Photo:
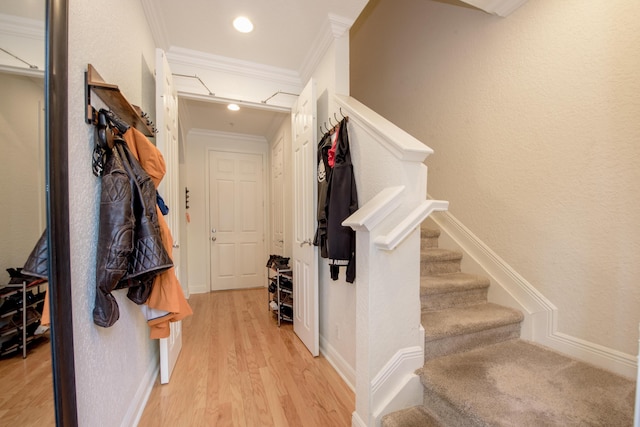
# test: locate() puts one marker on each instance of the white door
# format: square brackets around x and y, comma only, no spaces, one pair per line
[305,254]
[167,142]
[236,220]
[277,197]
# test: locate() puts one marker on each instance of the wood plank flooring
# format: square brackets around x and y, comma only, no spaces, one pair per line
[26,391]
[237,368]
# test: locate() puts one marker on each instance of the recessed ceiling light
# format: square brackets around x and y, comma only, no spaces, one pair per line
[243,24]
[233,107]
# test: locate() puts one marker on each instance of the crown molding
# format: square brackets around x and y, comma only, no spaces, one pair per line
[334,27]
[227,135]
[207,61]
[502,8]
[156,24]
[21,27]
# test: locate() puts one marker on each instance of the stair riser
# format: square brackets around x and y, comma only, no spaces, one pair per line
[453,299]
[429,242]
[446,413]
[428,267]
[459,343]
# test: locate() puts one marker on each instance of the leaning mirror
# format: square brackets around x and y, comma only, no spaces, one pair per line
[25,354]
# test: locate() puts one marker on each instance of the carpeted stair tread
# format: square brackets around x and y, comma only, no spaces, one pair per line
[466,320]
[451,282]
[439,255]
[415,416]
[518,383]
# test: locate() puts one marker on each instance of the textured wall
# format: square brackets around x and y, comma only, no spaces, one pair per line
[534,124]
[22,197]
[110,363]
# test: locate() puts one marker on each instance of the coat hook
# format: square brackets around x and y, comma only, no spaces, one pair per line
[336,117]
[342,113]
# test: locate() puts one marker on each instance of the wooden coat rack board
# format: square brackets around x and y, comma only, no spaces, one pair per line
[115,100]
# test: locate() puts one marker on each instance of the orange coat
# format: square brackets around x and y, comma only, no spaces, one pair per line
[166,293]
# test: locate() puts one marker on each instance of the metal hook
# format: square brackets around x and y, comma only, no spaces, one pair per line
[342,113]
[336,117]
[332,125]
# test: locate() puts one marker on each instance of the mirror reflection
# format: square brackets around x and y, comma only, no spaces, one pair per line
[25,354]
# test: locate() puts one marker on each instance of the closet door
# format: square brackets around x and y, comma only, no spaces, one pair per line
[305,254]
[167,142]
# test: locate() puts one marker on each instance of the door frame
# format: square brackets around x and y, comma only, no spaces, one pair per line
[222,144]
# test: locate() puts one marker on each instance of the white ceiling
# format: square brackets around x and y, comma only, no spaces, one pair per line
[284,32]
[284,29]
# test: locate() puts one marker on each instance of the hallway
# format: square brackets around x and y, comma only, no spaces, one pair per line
[237,368]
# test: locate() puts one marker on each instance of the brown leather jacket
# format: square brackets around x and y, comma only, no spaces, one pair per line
[130,251]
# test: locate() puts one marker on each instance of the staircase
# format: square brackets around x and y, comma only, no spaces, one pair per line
[478,372]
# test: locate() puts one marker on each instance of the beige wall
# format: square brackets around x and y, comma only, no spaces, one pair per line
[534,123]
[22,196]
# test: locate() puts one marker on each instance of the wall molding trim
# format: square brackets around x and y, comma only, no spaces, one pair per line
[227,135]
[502,8]
[397,386]
[134,413]
[346,371]
[237,67]
[541,315]
[22,27]
[334,27]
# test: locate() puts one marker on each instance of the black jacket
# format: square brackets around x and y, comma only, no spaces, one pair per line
[340,202]
[130,250]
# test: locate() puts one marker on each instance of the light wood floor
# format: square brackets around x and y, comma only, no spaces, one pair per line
[26,388]
[237,368]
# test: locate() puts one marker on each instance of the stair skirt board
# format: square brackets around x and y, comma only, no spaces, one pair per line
[511,289]
[397,386]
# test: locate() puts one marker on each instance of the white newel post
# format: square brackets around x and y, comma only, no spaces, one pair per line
[390,340]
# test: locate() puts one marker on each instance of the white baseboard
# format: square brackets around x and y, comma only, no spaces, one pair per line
[511,289]
[198,289]
[356,421]
[346,371]
[134,413]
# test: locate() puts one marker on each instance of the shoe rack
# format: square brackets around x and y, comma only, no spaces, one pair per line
[20,312]
[280,284]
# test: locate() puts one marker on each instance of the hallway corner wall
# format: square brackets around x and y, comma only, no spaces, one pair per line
[114,366]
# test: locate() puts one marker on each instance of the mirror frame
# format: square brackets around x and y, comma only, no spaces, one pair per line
[57,184]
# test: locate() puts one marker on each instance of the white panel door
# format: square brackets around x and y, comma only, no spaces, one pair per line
[167,142]
[305,254]
[277,197]
[236,218]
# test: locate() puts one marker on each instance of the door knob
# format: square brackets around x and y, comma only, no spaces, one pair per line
[213,239]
